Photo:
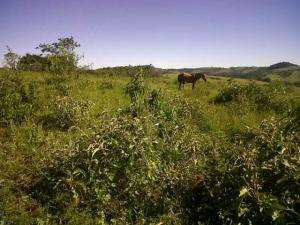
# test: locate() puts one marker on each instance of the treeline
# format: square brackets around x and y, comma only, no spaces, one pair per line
[60,58]
[34,62]
[147,70]
[40,63]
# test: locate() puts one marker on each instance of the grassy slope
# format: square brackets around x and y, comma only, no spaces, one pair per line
[289,74]
[87,87]
[27,153]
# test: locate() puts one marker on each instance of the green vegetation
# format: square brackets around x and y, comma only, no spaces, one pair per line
[96,147]
[284,71]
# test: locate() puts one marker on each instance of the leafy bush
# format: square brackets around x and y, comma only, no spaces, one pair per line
[63,60]
[60,84]
[104,85]
[116,173]
[17,100]
[33,62]
[154,100]
[134,169]
[255,181]
[136,87]
[148,70]
[11,59]
[66,112]
[61,55]
[262,96]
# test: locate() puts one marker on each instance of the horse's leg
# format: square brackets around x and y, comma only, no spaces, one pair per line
[193,85]
[179,86]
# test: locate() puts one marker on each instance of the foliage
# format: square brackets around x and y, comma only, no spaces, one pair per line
[64,45]
[32,62]
[106,85]
[282,65]
[66,112]
[256,181]
[153,155]
[62,56]
[148,70]
[135,87]
[263,97]
[115,174]
[17,100]
[11,59]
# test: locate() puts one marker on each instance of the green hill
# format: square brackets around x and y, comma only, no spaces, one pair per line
[285,71]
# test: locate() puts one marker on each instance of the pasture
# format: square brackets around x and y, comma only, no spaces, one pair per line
[100,149]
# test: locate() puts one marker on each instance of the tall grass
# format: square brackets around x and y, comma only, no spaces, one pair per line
[135,150]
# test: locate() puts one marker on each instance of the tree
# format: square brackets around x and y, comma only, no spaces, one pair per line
[64,46]
[11,59]
[62,55]
[32,62]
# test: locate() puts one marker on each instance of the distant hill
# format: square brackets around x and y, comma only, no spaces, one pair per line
[286,71]
[282,65]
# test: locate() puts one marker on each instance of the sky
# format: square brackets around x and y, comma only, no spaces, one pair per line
[165,33]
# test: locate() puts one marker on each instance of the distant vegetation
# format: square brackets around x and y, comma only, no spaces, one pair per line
[282,65]
[283,71]
[124,146]
[35,63]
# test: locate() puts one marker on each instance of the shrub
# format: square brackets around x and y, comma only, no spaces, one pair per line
[61,55]
[255,181]
[154,99]
[33,62]
[122,171]
[66,112]
[63,60]
[261,96]
[104,85]
[11,59]
[135,87]
[17,100]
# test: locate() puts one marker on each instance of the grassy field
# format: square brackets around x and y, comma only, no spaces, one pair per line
[136,150]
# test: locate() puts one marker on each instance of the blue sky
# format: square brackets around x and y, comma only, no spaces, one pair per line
[168,34]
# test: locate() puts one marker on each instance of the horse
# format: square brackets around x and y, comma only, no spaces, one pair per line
[190,78]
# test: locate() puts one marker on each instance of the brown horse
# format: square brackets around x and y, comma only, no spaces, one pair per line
[190,78]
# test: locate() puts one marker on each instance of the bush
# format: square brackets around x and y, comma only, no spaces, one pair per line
[104,85]
[66,112]
[136,87]
[255,181]
[17,100]
[123,170]
[261,96]
[134,169]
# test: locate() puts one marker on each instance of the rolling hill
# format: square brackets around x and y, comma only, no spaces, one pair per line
[285,71]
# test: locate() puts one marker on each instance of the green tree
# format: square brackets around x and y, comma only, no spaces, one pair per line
[32,62]
[11,59]
[62,55]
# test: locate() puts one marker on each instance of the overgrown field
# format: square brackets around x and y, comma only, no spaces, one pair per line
[100,149]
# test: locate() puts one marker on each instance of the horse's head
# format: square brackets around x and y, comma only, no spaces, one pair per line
[200,75]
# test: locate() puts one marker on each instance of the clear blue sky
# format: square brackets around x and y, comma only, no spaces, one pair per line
[166,33]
